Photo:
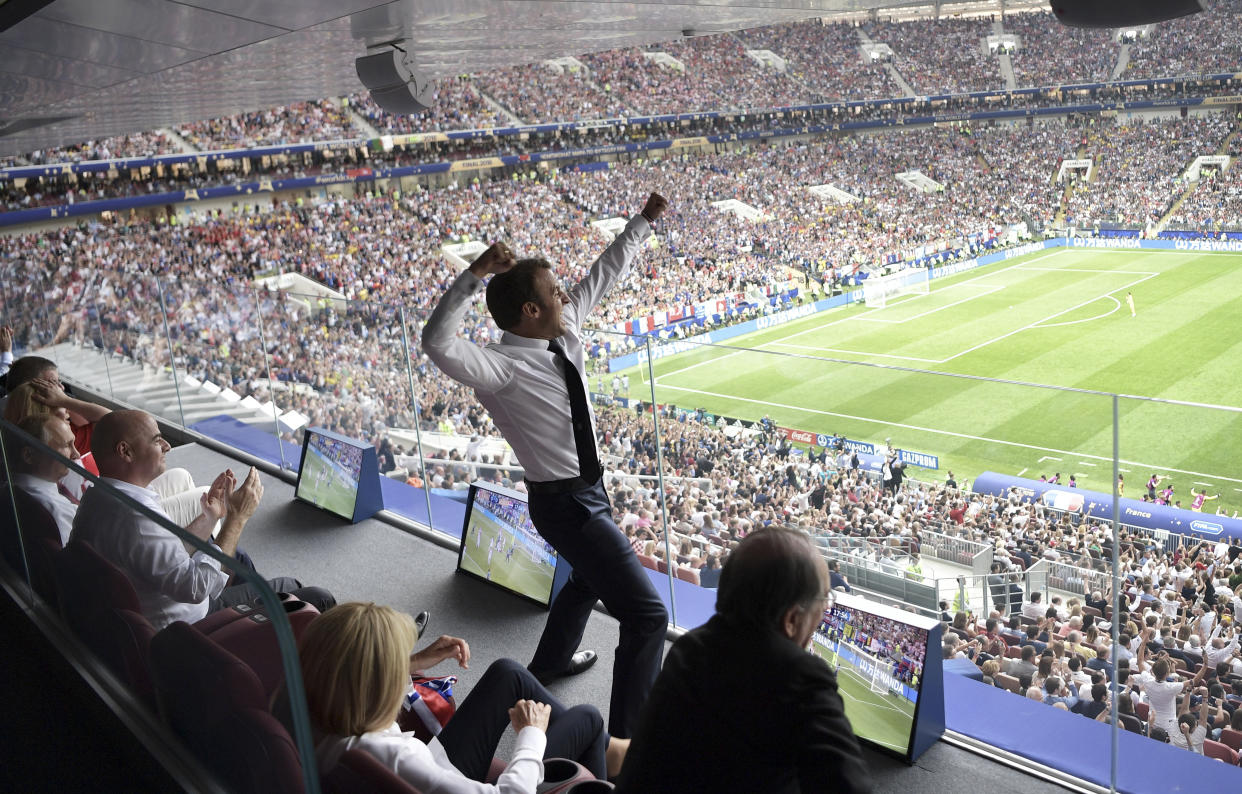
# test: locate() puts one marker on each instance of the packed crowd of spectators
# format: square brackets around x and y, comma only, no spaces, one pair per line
[541,93]
[824,63]
[1179,670]
[715,74]
[58,189]
[457,106]
[1215,202]
[941,56]
[826,58]
[1054,54]
[301,122]
[139,144]
[1205,43]
[1139,168]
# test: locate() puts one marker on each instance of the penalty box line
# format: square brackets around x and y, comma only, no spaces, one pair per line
[814,329]
[950,433]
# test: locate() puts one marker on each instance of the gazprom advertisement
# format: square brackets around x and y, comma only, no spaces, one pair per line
[1134,512]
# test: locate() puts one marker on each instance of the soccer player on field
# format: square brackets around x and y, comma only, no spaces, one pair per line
[1200,497]
[1130,302]
[1151,486]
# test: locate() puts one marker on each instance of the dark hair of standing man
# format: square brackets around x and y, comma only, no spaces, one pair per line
[509,291]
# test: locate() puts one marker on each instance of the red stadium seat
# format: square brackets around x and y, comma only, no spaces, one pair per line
[39,535]
[252,639]
[1232,738]
[1006,681]
[1221,752]
[648,561]
[661,565]
[1143,711]
[688,575]
[359,772]
[215,703]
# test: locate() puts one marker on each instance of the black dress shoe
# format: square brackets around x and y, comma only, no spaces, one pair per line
[580,662]
[420,622]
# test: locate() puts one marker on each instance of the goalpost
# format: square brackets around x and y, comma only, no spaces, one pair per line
[878,290]
[877,672]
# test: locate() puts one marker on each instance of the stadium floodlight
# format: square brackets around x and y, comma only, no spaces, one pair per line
[394,80]
[1121,13]
[877,290]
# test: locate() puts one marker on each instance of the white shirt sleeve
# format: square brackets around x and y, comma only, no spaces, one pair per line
[607,270]
[159,557]
[427,768]
[459,358]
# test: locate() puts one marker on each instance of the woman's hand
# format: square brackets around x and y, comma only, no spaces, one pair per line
[445,647]
[529,713]
[50,394]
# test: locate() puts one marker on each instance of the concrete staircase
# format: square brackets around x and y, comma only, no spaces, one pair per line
[1224,148]
[1007,73]
[181,143]
[153,389]
[906,90]
[359,122]
[1069,188]
[1123,62]
[500,109]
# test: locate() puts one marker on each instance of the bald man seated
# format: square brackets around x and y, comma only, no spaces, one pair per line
[172,583]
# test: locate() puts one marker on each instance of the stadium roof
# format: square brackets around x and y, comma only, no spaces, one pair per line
[75,70]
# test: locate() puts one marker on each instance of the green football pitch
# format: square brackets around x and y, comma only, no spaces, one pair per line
[321,484]
[912,371]
[521,573]
[884,719]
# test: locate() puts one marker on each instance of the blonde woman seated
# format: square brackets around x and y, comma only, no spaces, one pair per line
[356,666]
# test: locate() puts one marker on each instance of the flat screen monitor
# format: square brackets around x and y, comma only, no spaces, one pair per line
[500,545]
[334,471]
[880,655]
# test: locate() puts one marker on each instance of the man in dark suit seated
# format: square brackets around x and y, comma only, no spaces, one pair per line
[793,736]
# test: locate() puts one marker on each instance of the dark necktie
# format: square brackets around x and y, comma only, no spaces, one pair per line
[584,439]
[65,492]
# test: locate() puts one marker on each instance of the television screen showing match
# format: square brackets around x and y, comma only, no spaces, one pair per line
[331,469]
[878,658]
[499,544]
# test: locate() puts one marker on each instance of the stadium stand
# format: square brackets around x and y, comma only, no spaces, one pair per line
[159,293]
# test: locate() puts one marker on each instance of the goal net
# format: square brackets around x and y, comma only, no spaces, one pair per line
[877,671]
[877,291]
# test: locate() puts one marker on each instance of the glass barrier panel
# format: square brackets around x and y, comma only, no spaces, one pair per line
[34,307]
[217,332]
[135,365]
[634,452]
[916,485]
[147,543]
[339,365]
[452,428]
[1181,561]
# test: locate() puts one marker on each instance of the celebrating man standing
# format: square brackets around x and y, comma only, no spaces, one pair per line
[533,383]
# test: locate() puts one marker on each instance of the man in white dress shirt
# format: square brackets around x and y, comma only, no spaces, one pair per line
[532,382]
[172,584]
